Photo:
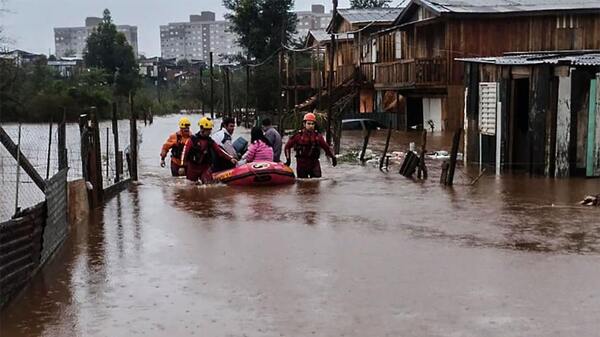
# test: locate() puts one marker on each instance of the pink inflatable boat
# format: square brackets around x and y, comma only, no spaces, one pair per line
[256,174]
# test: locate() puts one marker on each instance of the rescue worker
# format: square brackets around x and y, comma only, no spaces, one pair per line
[308,144]
[199,152]
[224,139]
[175,143]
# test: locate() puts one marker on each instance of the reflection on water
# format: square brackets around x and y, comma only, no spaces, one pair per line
[168,252]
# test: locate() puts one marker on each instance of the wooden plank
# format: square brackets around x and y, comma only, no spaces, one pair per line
[537,118]
[593,139]
[563,127]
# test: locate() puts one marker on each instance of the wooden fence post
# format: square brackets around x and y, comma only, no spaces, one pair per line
[449,181]
[62,144]
[364,148]
[387,145]
[95,163]
[133,147]
[115,130]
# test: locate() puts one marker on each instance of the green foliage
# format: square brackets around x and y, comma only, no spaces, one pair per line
[108,49]
[369,3]
[262,25]
[36,93]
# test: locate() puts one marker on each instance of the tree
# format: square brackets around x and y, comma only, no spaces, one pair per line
[3,38]
[109,50]
[369,3]
[262,26]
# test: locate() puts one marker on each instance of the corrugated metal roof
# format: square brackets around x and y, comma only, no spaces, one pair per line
[583,59]
[508,6]
[381,15]
[323,36]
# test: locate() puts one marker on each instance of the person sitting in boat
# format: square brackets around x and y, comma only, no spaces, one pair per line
[308,144]
[199,152]
[260,148]
[175,143]
[224,139]
[274,138]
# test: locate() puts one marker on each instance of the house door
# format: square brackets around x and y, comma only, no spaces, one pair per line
[519,120]
[414,113]
[432,112]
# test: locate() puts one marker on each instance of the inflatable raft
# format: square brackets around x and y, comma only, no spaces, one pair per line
[257,173]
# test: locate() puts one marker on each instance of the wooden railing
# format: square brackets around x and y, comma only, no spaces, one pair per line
[344,73]
[412,72]
[367,72]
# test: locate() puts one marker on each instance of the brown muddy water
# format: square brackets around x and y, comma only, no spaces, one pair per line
[357,253]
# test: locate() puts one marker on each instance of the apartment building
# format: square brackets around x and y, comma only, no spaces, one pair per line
[315,19]
[71,41]
[194,40]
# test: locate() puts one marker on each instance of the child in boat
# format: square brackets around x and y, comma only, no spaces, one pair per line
[259,149]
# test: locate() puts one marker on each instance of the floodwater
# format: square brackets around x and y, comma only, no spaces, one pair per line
[357,253]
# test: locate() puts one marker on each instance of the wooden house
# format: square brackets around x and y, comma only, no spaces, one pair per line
[538,113]
[417,57]
[353,65]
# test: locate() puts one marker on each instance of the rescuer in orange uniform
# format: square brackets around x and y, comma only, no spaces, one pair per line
[199,152]
[175,144]
[308,143]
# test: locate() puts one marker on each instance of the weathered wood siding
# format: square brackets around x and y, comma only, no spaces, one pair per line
[563,126]
[493,37]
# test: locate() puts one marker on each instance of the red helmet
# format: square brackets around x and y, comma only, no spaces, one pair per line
[311,117]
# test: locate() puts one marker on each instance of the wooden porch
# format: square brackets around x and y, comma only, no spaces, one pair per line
[416,72]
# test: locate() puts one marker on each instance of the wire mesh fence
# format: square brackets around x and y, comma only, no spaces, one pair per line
[39,145]
[18,188]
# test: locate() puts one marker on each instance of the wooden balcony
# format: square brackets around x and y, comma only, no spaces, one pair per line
[419,72]
[367,72]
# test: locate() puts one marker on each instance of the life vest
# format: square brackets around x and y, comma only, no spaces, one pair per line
[307,145]
[197,154]
[177,149]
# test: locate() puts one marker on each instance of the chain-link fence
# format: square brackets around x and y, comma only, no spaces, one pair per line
[18,188]
[39,146]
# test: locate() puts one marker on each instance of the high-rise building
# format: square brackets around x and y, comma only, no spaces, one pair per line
[197,38]
[71,41]
[316,19]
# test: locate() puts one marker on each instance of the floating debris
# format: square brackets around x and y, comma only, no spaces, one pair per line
[591,200]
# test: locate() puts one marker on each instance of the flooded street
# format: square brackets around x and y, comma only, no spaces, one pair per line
[357,253]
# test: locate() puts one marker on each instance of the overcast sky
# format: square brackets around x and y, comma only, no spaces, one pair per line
[30,23]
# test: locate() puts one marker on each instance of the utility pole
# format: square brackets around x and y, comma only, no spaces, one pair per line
[225,95]
[247,114]
[202,89]
[280,88]
[212,88]
[229,110]
[330,79]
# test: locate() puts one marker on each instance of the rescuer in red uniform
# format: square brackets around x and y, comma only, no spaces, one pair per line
[175,144]
[199,151]
[308,144]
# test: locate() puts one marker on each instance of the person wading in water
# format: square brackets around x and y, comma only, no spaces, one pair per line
[175,143]
[199,152]
[308,143]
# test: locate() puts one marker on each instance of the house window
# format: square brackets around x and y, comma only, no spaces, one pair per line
[398,44]
[567,22]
